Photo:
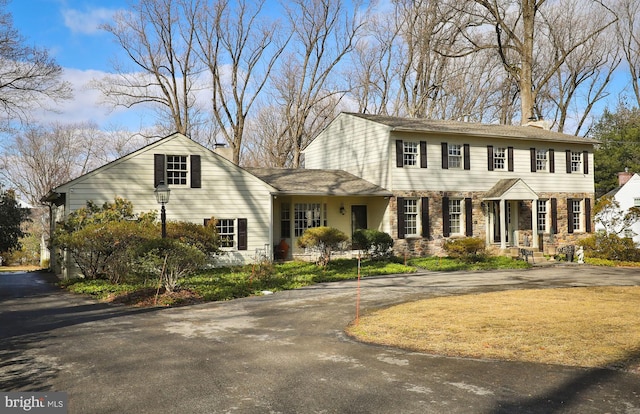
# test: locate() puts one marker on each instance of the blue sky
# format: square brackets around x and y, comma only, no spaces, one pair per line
[69,30]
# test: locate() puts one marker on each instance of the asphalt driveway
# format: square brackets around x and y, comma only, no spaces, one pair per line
[285,353]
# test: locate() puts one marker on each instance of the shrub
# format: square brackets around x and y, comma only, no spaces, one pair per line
[377,243]
[204,238]
[324,239]
[603,245]
[468,249]
[169,260]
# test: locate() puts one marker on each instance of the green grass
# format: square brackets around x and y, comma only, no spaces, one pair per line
[237,282]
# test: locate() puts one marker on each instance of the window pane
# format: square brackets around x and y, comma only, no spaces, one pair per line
[177,169]
[455,212]
[576,162]
[575,207]
[499,157]
[455,156]
[542,215]
[305,216]
[226,232]
[541,160]
[410,153]
[410,217]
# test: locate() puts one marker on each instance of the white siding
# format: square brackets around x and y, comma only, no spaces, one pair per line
[626,196]
[354,145]
[479,178]
[227,191]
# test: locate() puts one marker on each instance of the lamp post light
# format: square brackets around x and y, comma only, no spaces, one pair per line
[162,196]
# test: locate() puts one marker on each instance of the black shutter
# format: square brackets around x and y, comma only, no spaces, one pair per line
[587,215]
[467,157]
[400,214]
[569,216]
[424,211]
[468,215]
[445,155]
[158,169]
[423,154]
[554,215]
[568,157]
[533,159]
[399,153]
[242,234]
[490,157]
[552,160]
[446,228]
[196,181]
[585,162]
[510,158]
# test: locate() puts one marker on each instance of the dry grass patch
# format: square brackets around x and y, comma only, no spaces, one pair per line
[587,327]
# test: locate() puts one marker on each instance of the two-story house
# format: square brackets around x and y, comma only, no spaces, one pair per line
[421,181]
[511,185]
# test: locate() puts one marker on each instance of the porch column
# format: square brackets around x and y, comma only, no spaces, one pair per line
[503,225]
[534,223]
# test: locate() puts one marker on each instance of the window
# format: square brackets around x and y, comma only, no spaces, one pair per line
[575,214]
[576,161]
[226,232]
[455,156]
[176,169]
[541,160]
[455,214]
[305,216]
[636,202]
[285,220]
[410,153]
[542,215]
[499,158]
[628,233]
[410,217]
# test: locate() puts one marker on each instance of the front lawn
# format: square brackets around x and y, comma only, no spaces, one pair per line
[231,283]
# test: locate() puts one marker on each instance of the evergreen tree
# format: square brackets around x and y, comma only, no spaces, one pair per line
[618,134]
[11,218]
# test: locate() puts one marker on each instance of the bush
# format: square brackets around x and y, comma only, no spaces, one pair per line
[377,243]
[608,246]
[324,239]
[204,238]
[468,249]
[169,260]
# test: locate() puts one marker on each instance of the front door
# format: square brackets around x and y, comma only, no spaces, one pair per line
[358,218]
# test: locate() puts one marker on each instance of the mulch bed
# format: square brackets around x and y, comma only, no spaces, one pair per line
[151,297]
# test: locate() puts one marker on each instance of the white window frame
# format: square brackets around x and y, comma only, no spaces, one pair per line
[576,215]
[410,153]
[454,152]
[542,212]
[576,162]
[226,232]
[306,216]
[500,158]
[411,217]
[455,216]
[636,202]
[542,159]
[177,169]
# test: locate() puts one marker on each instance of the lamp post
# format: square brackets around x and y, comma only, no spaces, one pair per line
[162,196]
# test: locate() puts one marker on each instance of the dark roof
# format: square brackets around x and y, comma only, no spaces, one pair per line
[468,128]
[317,182]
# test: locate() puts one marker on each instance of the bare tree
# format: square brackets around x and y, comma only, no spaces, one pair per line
[628,28]
[29,77]
[162,70]
[515,23]
[581,81]
[240,48]
[43,157]
[324,33]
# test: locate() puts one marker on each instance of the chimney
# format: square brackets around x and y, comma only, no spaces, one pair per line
[223,150]
[623,177]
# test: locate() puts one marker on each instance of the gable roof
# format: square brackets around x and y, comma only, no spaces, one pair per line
[317,182]
[510,187]
[475,129]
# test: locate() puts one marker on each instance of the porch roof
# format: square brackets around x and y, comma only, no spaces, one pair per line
[513,188]
[317,182]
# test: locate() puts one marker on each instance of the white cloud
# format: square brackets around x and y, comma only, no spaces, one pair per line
[87,22]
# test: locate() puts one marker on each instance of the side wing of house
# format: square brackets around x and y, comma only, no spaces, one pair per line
[203,185]
[355,145]
[629,196]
